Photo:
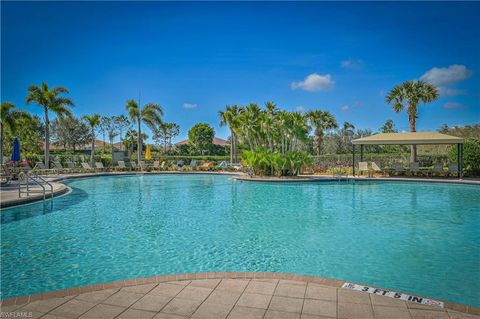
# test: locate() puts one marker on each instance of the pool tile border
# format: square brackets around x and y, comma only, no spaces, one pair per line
[20,300]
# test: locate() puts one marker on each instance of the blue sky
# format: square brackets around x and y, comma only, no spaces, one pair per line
[195,58]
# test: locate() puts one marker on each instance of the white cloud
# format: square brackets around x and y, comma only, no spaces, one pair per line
[445,76]
[300,109]
[189,105]
[345,108]
[452,105]
[354,64]
[314,82]
[452,92]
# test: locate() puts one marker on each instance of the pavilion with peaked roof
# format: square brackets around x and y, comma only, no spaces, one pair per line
[411,138]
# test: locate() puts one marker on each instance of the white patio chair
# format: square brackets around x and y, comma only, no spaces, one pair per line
[363,167]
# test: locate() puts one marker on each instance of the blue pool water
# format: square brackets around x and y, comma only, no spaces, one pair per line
[415,237]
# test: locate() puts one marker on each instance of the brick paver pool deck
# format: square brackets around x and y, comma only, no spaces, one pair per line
[229,295]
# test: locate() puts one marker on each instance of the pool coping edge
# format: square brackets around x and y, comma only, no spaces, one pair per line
[20,300]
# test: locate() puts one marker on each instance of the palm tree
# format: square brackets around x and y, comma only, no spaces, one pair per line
[150,114]
[50,100]
[321,120]
[8,119]
[93,121]
[229,117]
[407,96]
[122,123]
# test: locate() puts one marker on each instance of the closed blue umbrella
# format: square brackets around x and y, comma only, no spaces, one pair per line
[16,150]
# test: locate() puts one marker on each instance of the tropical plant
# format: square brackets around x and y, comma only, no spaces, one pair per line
[93,121]
[264,161]
[407,96]
[111,130]
[200,137]
[471,156]
[164,133]
[122,124]
[151,114]
[8,120]
[230,117]
[129,141]
[105,122]
[70,132]
[388,127]
[52,101]
[29,130]
[321,120]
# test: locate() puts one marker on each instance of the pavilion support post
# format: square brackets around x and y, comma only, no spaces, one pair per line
[353,159]
[458,160]
[361,153]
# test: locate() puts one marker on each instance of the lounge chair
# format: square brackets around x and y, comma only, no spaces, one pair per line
[237,166]
[453,169]
[134,166]
[39,166]
[58,166]
[223,164]
[437,169]
[5,175]
[377,168]
[415,168]
[398,168]
[71,166]
[193,163]
[25,166]
[180,163]
[86,167]
[206,165]
[121,166]
[363,167]
[99,166]
[156,165]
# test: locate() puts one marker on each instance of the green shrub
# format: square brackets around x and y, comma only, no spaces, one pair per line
[269,163]
[471,156]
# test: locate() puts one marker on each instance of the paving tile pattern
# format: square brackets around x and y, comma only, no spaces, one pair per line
[228,299]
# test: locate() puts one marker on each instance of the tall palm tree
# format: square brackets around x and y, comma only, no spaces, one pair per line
[229,117]
[8,119]
[321,120]
[93,121]
[150,114]
[407,96]
[50,100]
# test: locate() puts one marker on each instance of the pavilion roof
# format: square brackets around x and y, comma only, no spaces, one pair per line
[412,138]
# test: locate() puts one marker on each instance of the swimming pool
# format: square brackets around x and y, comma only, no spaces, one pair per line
[416,237]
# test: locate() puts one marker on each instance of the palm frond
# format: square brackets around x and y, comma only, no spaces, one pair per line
[152,114]
[133,110]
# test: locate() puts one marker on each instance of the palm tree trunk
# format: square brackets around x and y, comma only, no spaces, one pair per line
[104,142]
[413,148]
[93,147]
[47,139]
[231,146]
[111,146]
[319,141]
[121,140]
[139,140]
[1,144]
